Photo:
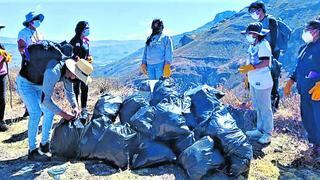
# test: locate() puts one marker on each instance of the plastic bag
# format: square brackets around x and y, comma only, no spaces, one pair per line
[108,106]
[130,106]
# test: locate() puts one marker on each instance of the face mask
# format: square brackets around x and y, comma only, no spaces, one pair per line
[307,36]
[250,39]
[255,15]
[35,23]
[86,32]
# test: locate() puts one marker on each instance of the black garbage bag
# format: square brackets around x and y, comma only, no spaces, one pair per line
[108,106]
[117,145]
[231,140]
[246,119]
[204,99]
[190,120]
[91,135]
[66,138]
[162,89]
[201,158]
[152,153]
[169,123]
[141,121]
[183,143]
[130,106]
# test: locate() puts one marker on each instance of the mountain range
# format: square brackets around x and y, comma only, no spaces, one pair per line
[213,54]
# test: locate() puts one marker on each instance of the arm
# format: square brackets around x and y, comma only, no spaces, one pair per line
[265,61]
[21,46]
[68,87]
[51,77]
[168,51]
[144,57]
[273,33]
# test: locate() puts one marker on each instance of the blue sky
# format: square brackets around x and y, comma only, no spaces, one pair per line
[113,19]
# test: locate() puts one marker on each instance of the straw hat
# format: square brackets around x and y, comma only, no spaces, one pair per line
[81,69]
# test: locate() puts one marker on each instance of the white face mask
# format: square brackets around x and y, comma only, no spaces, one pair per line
[255,15]
[307,36]
[250,39]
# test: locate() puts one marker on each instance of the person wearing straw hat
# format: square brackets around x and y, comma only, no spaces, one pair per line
[67,72]
[307,78]
[4,59]
[258,72]
[27,36]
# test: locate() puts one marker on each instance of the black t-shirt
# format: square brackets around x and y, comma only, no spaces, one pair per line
[80,48]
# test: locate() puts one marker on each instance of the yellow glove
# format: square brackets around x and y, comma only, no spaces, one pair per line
[6,56]
[143,69]
[167,70]
[90,59]
[245,69]
[315,92]
[288,87]
[246,83]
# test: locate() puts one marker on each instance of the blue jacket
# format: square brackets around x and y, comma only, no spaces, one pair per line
[160,50]
[308,61]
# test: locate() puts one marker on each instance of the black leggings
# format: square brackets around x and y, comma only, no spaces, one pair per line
[275,95]
[3,85]
[84,92]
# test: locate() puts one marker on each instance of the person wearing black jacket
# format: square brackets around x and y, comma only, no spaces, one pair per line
[258,12]
[80,43]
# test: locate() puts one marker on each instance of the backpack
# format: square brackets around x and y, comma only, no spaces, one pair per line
[284,34]
[38,56]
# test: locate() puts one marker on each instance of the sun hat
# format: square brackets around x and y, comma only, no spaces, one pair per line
[81,69]
[256,28]
[32,16]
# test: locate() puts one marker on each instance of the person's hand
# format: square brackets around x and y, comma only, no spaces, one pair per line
[315,92]
[143,68]
[167,70]
[288,87]
[90,59]
[76,112]
[245,69]
[67,116]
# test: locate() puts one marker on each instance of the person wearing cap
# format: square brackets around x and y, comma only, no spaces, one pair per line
[30,93]
[80,43]
[27,36]
[258,12]
[307,78]
[4,59]
[158,53]
[258,71]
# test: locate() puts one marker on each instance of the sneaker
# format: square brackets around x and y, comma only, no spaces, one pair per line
[45,148]
[254,133]
[265,139]
[3,126]
[26,114]
[37,155]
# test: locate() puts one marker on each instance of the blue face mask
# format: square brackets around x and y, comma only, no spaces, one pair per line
[36,23]
[86,32]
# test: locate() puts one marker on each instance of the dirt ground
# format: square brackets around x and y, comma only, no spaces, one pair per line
[287,157]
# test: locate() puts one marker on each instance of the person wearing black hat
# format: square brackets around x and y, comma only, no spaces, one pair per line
[80,42]
[27,36]
[307,78]
[260,80]
[258,12]
[4,59]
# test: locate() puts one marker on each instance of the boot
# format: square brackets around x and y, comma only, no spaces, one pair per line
[3,126]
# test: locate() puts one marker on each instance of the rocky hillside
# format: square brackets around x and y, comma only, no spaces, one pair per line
[214,55]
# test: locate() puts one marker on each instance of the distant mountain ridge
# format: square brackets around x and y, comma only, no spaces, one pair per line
[213,56]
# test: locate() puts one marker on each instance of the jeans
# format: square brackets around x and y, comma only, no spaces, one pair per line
[77,86]
[310,115]
[31,96]
[3,85]
[155,71]
[261,102]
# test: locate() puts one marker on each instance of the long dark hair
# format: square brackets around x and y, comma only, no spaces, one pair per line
[155,30]
[80,27]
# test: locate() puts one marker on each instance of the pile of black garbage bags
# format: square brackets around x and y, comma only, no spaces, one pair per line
[193,129]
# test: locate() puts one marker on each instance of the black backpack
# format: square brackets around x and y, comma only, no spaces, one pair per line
[38,56]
